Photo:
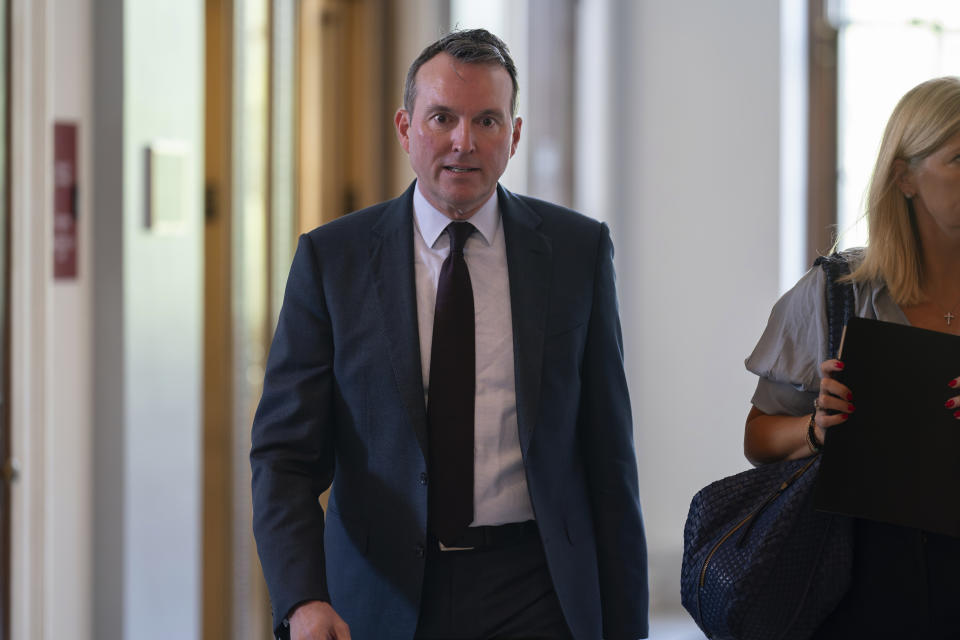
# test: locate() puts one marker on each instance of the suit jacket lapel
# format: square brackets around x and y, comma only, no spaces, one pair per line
[529,257]
[392,263]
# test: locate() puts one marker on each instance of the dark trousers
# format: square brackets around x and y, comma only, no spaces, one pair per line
[500,592]
[906,584]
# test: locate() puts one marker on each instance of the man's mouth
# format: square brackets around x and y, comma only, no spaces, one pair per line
[460,169]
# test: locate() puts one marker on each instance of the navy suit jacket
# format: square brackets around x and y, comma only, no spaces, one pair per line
[343,402]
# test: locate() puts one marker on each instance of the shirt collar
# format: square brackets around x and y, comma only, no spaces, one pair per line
[432,223]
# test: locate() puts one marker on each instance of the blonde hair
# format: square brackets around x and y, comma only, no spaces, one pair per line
[924,119]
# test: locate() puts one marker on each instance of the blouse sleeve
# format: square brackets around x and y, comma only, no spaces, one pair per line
[787,358]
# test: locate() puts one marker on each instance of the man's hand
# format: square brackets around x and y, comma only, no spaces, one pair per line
[316,620]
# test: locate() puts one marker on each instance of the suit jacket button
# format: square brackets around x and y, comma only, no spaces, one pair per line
[419,550]
[423,479]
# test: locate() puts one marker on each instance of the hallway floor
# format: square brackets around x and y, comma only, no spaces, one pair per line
[674,626]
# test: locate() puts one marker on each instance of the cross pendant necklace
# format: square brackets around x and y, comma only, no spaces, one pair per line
[947,313]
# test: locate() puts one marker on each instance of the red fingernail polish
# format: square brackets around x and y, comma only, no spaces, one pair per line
[839,365]
[956,414]
[849,396]
[949,403]
[850,407]
[952,383]
[845,416]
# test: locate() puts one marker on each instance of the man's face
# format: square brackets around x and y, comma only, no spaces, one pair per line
[460,134]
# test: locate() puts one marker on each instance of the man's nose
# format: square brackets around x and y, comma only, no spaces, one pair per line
[463,137]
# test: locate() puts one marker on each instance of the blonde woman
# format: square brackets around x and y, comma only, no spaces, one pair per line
[906,582]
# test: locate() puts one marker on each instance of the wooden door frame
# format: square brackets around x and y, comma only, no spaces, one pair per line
[821,133]
[217,535]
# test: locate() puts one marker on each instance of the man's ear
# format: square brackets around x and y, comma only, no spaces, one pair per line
[402,122]
[517,125]
[903,177]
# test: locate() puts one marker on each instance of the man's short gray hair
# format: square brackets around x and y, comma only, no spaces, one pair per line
[477,46]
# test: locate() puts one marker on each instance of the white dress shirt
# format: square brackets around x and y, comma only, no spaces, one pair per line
[500,492]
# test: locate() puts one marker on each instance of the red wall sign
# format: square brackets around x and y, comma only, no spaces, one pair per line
[65,201]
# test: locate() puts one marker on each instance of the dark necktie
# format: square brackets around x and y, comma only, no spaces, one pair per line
[451,395]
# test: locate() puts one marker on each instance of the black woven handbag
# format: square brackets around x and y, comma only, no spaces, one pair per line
[759,563]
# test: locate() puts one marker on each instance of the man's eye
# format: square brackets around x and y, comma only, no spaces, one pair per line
[487,122]
[440,118]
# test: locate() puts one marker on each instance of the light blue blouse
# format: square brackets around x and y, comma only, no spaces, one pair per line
[787,358]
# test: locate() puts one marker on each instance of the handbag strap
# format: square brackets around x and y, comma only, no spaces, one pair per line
[839,298]
[840,305]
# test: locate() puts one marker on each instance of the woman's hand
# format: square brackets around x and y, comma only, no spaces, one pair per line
[953,404]
[769,438]
[834,396]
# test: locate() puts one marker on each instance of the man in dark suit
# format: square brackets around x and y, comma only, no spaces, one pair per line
[451,361]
